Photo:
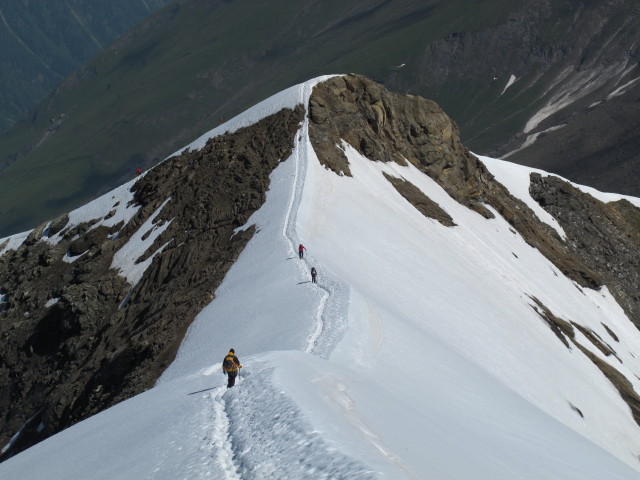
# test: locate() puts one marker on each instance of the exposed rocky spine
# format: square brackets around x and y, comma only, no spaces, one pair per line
[605,236]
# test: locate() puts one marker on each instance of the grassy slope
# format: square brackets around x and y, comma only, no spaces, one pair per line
[42,41]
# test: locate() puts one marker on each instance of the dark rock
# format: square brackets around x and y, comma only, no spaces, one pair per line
[385,126]
[423,204]
[58,223]
[605,236]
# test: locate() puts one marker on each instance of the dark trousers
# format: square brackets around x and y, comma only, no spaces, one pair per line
[231,378]
[313,278]
[300,253]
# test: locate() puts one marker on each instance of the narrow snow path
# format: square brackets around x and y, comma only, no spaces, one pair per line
[299,158]
[290,447]
[272,437]
[221,442]
[331,313]
[243,449]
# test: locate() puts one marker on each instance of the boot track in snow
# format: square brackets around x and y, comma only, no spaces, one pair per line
[241,449]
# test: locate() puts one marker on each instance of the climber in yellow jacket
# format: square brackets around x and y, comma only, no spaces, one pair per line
[230,367]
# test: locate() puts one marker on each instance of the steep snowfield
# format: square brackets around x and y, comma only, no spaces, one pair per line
[417,355]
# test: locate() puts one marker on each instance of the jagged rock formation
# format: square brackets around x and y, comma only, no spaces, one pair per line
[76,338]
[389,127]
[604,236]
[562,74]
[385,127]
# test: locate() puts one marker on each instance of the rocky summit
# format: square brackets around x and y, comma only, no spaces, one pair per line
[84,326]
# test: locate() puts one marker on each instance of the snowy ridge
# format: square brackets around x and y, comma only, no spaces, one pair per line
[331,316]
[289,98]
[516,178]
[417,355]
[108,210]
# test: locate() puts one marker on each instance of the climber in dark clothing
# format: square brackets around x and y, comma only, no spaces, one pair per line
[230,367]
[301,249]
[313,274]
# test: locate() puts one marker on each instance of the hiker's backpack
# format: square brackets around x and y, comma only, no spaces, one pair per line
[228,364]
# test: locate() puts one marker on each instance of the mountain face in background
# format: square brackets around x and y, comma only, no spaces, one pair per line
[570,101]
[550,84]
[43,41]
[96,302]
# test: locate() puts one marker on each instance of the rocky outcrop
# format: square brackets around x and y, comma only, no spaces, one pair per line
[385,126]
[76,337]
[605,236]
[423,204]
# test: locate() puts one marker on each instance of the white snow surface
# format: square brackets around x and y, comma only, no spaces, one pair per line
[119,203]
[107,210]
[125,259]
[516,178]
[51,302]
[418,354]
[533,138]
[13,242]
[580,85]
[512,80]
[622,89]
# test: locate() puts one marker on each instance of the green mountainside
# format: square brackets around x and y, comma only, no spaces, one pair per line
[42,41]
[198,62]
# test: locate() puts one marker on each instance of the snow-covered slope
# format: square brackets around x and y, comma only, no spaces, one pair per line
[418,354]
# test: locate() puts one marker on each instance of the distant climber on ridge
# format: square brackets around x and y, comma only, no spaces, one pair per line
[314,273]
[301,249]
[230,366]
